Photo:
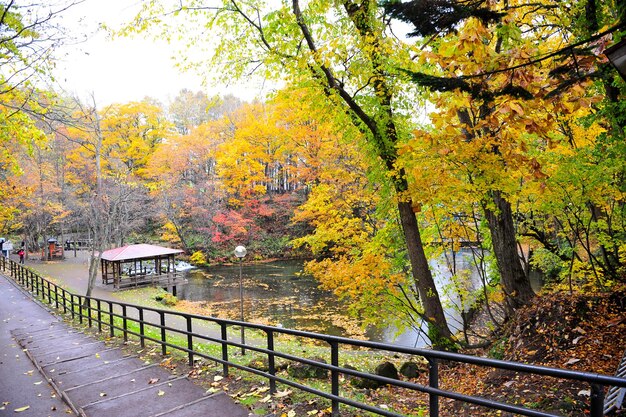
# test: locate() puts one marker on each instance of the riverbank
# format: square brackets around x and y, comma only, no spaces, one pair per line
[578,331]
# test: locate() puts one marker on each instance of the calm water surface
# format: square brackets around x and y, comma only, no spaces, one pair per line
[277,291]
[283,295]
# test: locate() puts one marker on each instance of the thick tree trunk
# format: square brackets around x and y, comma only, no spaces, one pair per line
[429,296]
[383,135]
[514,280]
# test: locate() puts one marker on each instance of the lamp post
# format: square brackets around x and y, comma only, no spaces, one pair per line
[617,55]
[240,252]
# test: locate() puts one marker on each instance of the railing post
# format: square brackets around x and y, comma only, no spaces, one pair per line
[99,305]
[597,401]
[124,323]
[142,339]
[334,376]
[49,292]
[80,309]
[56,296]
[72,305]
[111,319]
[224,349]
[271,360]
[88,311]
[189,340]
[163,336]
[433,382]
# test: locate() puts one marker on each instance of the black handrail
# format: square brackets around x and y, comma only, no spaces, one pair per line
[63,300]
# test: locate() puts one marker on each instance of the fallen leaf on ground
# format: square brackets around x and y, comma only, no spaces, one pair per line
[19,410]
[281,394]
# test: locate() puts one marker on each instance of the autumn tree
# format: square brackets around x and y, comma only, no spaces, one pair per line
[189,110]
[504,72]
[182,178]
[29,36]
[349,61]
[107,165]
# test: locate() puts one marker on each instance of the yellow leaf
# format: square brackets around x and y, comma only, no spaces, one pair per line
[266,399]
[281,394]
[517,108]
[161,393]
[19,410]
[291,413]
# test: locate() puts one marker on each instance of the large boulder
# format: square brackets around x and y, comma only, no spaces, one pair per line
[304,370]
[386,369]
[410,369]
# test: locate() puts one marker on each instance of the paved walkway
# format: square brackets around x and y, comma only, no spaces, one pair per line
[22,386]
[93,379]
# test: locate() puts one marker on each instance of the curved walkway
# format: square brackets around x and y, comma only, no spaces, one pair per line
[22,386]
[44,360]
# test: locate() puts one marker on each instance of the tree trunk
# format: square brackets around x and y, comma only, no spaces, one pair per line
[514,281]
[429,296]
[381,131]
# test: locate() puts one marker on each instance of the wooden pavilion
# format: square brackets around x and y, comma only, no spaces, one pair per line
[140,265]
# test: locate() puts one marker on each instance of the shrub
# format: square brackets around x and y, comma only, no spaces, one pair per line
[167,299]
[198,258]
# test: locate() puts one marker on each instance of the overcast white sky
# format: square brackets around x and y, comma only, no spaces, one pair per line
[126,69]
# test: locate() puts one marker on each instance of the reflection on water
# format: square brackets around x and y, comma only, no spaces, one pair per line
[278,292]
[282,295]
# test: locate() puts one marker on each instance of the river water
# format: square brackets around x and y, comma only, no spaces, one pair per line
[280,294]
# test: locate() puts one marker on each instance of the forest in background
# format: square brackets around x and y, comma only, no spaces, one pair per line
[495,123]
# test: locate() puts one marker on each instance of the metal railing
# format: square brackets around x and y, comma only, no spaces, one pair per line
[164,326]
